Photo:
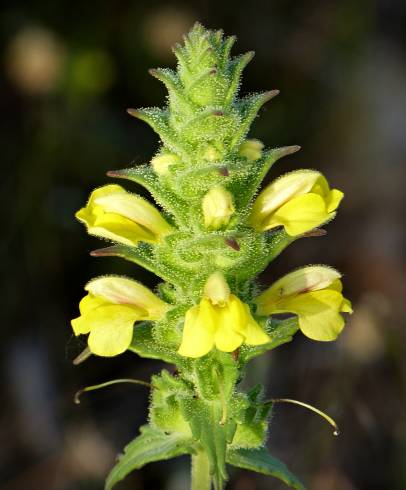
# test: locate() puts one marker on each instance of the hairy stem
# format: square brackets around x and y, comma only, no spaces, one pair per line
[201,479]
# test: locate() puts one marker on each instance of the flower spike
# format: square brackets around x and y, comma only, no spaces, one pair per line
[216,233]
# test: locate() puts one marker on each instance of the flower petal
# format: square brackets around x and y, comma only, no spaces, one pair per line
[230,331]
[112,226]
[90,302]
[135,208]
[254,333]
[318,312]
[305,279]
[346,306]
[333,200]
[121,290]
[80,325]
[280,191]
[300,214]
[111,329]
[198,330]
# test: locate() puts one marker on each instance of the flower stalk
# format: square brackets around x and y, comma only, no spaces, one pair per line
[208,235]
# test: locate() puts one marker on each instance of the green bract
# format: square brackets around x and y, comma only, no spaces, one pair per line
[208,241]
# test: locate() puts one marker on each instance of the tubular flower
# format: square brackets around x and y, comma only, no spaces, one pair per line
[114,213]
[220,319]
[217,207]
[109,310]
[314,294]
[299,201]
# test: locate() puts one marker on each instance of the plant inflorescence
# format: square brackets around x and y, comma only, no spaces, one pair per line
[209,234]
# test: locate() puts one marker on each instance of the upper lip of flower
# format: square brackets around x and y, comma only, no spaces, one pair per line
[300,201]
[113,213]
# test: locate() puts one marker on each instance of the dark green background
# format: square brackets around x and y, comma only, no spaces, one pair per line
[70,71]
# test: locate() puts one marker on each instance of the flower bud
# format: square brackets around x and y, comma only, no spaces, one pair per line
[217,289]
[217,208]
[211,154]
[251,149]
[161,163]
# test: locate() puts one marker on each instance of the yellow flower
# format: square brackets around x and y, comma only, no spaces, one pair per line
[221,320]
[314,294]
[251,149]
[299,201]
[113,213]
[109,310]
[217,207]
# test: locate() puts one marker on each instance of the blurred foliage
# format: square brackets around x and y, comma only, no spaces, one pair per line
[70,70]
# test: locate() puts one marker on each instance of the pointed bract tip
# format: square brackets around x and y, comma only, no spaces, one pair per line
[133,112]
[315,233]
[270,94]
[288,150]
[224,171]
[115,173]
[104,252]
[153,72]
[82,356]
[232,242]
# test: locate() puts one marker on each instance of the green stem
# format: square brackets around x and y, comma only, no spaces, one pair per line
[201,479]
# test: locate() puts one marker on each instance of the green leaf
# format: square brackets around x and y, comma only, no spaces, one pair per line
[151,445]
[261,461]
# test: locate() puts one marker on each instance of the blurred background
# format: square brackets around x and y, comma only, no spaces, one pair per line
[69,72]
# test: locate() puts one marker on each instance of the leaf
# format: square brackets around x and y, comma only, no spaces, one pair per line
[151,445]
[261,461]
